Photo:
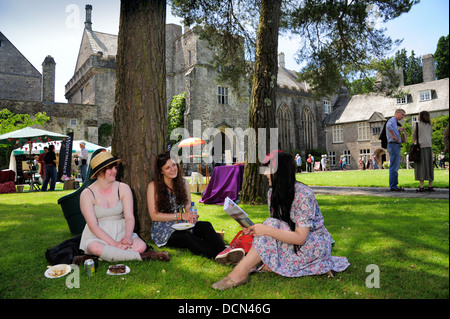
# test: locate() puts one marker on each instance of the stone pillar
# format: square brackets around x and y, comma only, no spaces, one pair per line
[429,73]
[88,22]
[48,80]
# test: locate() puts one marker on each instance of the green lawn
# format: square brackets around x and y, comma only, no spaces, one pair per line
[407,239]
[370,178]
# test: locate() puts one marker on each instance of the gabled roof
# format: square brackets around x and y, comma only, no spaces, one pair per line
[94,42]
[288,79]
[362,107]
[14,62]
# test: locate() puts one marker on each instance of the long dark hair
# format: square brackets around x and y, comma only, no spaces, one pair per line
[283,189]
[162,190]
[425,117]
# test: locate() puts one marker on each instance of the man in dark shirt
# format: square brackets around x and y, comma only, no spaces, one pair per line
[50,169]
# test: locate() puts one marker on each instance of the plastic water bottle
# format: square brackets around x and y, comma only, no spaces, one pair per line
[194,210]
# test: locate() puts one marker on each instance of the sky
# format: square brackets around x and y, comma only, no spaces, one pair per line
[55,27]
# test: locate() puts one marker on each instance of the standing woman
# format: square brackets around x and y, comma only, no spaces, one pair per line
[107,207]
[293,242]
[169,202]
[423,169]
[50,169]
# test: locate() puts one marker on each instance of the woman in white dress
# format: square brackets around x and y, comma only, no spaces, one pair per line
[107,206]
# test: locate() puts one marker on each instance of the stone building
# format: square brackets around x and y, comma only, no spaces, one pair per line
[23,89]
[91,91]
[189,69]
[353,128]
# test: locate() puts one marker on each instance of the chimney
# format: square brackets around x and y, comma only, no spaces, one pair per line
[429,73]
[48,80]
[399,73]
[88,22]
[281,62]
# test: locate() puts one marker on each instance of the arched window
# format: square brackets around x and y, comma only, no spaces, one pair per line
[284,120]
[307,124]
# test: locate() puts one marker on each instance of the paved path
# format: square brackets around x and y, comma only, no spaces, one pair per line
[439,193]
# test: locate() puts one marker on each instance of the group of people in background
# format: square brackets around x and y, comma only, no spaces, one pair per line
[310,163]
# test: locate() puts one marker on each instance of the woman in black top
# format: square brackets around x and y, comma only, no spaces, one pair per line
[50,169]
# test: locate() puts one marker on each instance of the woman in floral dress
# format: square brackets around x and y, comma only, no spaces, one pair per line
[293,242]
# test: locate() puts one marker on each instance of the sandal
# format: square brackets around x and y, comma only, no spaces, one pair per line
[430,189]
[227,283]
[420,189]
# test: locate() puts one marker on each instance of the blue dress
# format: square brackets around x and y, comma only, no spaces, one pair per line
[161,231]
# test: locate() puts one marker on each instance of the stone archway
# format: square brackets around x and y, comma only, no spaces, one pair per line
[380,154]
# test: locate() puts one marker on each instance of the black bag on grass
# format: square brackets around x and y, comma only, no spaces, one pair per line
[64,252]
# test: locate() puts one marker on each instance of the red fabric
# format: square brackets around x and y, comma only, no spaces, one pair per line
[242,241]
[8,187]
[7,176]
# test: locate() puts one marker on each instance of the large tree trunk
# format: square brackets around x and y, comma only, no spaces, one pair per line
[140,110]
[263,97]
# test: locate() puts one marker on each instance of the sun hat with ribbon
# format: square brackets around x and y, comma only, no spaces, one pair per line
[101,160]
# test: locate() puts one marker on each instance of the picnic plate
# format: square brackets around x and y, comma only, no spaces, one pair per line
[182,226]
[127,270]
[57,271]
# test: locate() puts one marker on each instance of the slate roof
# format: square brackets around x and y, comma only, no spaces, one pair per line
[94,42]
[288,79]
[362,107]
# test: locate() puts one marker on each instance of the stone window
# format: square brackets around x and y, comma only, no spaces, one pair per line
[348,157]
[222,96]
[73,122]
[338,134]
[402,100]
[284,119]
[327,107]
[425,95]
[332,158]
[307,124]
[363,131]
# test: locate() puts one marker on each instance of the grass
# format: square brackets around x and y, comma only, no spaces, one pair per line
[370,178]
[407,239]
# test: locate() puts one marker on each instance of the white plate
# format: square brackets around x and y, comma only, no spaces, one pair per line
[182,226]
[57,271]
[127,270]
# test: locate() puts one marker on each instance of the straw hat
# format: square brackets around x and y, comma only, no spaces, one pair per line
[101,160]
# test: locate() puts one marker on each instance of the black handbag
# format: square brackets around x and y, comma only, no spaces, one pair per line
[414,150]
[64,252]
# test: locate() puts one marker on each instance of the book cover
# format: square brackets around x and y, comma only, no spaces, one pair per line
[236,213]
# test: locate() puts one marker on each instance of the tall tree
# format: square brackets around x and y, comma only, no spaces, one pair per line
[441,57]
[263,97]
[336,36]
[140,111]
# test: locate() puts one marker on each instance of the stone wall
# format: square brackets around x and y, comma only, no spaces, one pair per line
[61,115]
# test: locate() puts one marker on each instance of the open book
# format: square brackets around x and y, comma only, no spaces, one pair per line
[236,213]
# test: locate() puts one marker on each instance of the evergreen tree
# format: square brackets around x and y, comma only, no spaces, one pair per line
[441,56]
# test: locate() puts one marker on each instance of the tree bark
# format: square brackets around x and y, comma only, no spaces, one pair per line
[263,96]
[140,109]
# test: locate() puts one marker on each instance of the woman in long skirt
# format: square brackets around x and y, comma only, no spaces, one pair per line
[423,169]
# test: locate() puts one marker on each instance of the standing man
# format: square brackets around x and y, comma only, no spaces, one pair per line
[395,136]
[83,158]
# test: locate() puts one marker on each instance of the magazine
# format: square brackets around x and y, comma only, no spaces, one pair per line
[236,213]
